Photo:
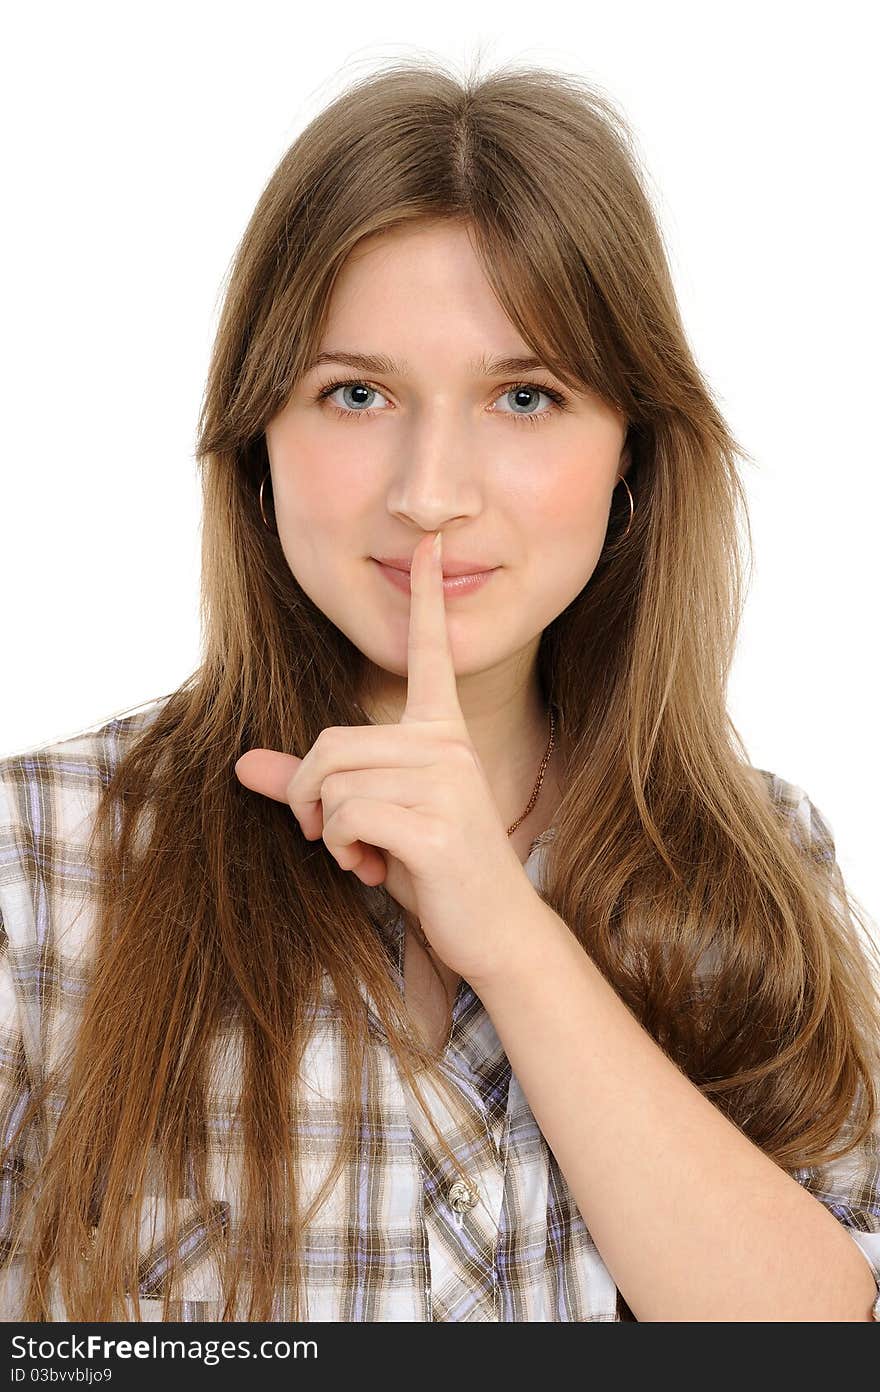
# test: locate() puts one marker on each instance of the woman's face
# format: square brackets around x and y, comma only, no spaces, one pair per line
[513,479]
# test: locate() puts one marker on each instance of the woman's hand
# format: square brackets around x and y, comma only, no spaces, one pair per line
[409,805]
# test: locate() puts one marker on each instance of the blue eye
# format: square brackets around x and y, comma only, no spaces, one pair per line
[533,417]
[532,387]
[357,386]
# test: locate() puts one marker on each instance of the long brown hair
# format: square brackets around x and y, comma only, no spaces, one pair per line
[214,908]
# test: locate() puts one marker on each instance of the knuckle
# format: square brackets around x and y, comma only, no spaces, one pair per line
[461,752]
[337,821]
[333,785]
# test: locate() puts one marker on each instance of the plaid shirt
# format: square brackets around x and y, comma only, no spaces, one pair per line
[399,1237]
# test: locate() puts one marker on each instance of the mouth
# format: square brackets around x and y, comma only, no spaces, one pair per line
[451,569]
[452,584]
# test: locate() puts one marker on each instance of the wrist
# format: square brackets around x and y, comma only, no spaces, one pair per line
[533,940]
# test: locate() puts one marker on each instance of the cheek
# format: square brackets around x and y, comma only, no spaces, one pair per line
[571,507]
[319,497]
[312,490]
[317,502]
[567,524]
[316,484]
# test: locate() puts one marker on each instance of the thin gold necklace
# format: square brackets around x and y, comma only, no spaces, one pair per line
[537,788]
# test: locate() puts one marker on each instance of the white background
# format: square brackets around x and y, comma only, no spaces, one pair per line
[137,141]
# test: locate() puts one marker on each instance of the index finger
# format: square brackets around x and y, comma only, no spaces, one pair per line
[431,690]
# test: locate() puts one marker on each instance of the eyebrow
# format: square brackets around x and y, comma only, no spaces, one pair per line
[380,363]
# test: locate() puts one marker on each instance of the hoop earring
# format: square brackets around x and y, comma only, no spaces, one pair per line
[631,507]
[262,511]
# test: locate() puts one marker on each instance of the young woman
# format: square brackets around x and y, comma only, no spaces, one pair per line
[435,952]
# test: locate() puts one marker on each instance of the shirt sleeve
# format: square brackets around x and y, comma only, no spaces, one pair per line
[849,1187]
[19,1162]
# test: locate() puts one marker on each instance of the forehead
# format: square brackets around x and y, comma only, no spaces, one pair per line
[401,273]
[416,297]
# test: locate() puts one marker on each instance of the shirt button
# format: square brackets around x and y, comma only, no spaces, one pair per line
[462,1196]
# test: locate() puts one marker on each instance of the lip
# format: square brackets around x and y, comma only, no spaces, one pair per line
[449,567]
[452,585]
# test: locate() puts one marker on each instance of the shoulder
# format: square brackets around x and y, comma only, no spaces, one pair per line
[48,797]
[807,825]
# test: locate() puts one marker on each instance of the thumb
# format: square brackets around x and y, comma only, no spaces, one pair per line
[267,771]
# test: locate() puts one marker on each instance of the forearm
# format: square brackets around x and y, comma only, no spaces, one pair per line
[692,1220]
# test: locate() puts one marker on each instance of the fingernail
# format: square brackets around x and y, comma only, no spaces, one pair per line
[438,548]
